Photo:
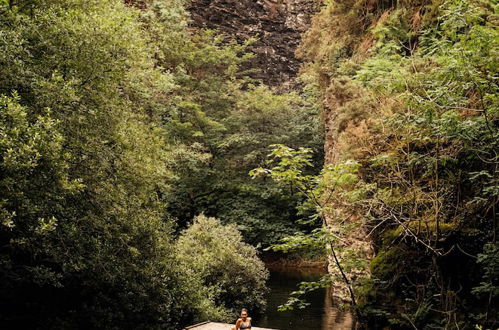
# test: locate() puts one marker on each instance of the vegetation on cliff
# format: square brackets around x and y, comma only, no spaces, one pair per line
[409,91]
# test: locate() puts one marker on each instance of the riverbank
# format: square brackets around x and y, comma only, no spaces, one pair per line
[276,261]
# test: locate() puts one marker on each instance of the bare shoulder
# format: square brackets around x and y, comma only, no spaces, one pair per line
[249,319]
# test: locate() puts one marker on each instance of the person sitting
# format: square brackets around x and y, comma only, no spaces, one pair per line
[244,322]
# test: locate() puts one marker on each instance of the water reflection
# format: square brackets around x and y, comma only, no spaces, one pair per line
[320,315]
[334,318]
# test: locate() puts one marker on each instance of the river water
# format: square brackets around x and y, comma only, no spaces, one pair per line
[320,315]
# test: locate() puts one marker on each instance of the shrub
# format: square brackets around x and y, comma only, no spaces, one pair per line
[229,270]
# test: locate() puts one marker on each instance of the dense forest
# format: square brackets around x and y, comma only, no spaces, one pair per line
[145,165]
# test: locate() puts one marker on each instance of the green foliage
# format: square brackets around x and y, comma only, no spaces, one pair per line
[421,76]
[221,125]
[84,238]
[115,121]
[339,183]
[228,271]
[489,261]
[31,152]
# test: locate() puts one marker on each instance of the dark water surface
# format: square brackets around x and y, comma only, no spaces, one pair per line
[320,315]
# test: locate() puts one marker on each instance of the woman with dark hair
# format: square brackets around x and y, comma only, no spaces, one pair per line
[244,322]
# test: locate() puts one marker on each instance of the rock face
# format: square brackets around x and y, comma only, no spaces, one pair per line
[353,243]
[278,25]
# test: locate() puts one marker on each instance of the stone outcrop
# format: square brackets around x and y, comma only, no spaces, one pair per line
[278,25]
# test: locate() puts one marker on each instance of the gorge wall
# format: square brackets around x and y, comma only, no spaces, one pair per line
[414,216]
[277,24]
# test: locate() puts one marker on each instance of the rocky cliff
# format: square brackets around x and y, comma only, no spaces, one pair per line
[278,25]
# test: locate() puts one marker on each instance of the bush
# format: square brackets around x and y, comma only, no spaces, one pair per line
[228,270]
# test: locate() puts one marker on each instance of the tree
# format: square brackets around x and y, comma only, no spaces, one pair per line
[85,241]
[335,185]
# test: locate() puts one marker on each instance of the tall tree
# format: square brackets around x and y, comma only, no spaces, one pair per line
[84,241]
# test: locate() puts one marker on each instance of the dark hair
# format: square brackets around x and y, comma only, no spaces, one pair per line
[244,310]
